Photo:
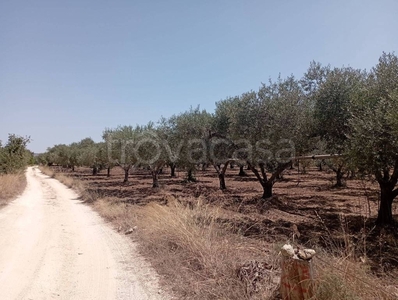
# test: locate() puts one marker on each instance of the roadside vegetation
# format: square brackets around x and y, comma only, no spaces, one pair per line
[14,157]
[170,185]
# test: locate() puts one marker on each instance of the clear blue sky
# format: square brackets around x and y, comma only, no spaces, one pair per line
[70,68]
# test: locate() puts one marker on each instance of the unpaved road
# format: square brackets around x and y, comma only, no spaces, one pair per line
[54,247]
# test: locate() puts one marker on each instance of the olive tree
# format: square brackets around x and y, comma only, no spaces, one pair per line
[150,151]
[191,128]
[374,131]
[220,155]
[221,147]
[93,156]
[314,77]
[331,115]
[58,155]
[108,151]
[267,127]
[120,145]
[172,144]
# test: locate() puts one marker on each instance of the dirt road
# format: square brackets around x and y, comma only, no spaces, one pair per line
[54,247]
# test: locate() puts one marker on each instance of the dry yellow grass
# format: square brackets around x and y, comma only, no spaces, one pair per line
[11,185]
[189,247]
[66,180]
[342,279]
[198,258]
[121,215]
[47,170]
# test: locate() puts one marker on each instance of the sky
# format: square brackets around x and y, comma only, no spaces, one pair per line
[70,69]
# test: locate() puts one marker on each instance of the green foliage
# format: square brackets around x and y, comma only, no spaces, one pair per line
[189,131]
[314,77]
[332,105]
[149,147]
[332,102]
[14,156]
[373,138]
[120,145]
[270,122]
[222,117]
[374,122]
[83,153]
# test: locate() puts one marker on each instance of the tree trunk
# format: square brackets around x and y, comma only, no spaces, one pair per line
[221,177]
[108,173]
[126,175]
[267,183]
[267,188]
[155,179]
[95,171]
[339,178]
[173,170]
[384,216]
[351,174]
[242,171]
[190,176]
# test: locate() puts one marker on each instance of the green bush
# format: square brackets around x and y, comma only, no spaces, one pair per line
[14,156]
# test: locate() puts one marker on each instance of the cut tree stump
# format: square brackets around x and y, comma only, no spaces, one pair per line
[297,275]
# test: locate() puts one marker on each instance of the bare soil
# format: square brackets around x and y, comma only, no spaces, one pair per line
[306,208]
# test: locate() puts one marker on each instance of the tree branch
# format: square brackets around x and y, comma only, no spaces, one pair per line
[394,176]
[216,134]
[263,172]
[395,193]
[256,173]
[216,167]
[224,169]
[279,170]
[378,176]
[386,175]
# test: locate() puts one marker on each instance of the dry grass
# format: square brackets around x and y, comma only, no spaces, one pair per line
[340,278]
[198,257]
[122,215]
[47,170]
[66,180]
[11,185]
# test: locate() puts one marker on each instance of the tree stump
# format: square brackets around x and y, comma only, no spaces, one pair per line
[297,275]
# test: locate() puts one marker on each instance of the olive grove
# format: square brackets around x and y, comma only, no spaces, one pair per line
[343,111]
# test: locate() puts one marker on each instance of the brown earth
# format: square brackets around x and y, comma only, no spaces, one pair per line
[306,207]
